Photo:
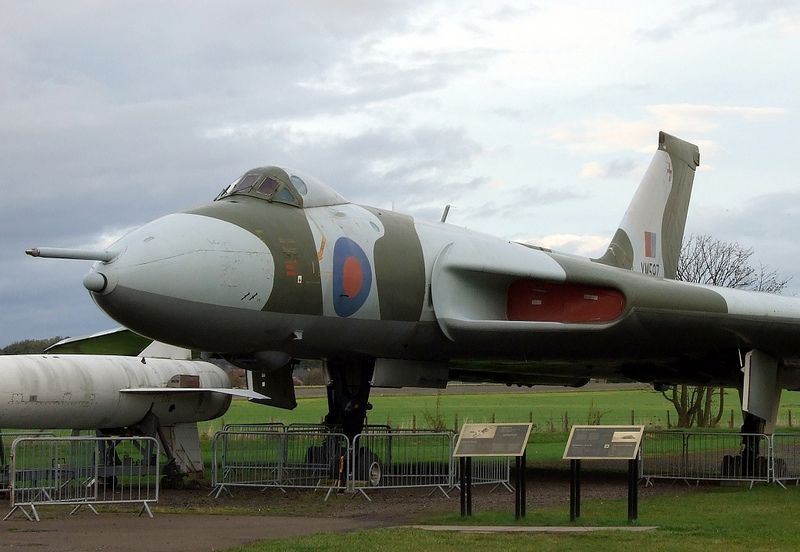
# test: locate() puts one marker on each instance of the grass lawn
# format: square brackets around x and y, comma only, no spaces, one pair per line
[764,518]
[552,413]
[548,411]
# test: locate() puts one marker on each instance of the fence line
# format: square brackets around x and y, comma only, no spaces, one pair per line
[265,426]
[379,459]
[393,460]
[5,460]
[486,470]
[786,458]
[386,458]
[692,456]
[311,460]
[83,471]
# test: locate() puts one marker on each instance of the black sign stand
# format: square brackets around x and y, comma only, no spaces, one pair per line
[487,440]
[633,489]
[575,489]
[466,485]
[520,490]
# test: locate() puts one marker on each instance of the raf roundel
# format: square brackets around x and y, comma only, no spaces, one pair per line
[352,277]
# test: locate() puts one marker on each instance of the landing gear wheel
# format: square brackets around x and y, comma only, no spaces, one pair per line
[374,474]
[368,467]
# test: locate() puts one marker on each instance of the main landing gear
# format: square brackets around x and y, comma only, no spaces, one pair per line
[749,462]
[348,393]
[348,403]
[761,394]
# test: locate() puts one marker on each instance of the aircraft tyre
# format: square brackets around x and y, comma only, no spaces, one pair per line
[735,466]
[368,467]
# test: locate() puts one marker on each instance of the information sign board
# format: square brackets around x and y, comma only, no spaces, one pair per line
[492,440]
[593,442]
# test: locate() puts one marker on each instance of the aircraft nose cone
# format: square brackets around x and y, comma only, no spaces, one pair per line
[95,281]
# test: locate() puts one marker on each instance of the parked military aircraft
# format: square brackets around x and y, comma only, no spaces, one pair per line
[157,391]
[280,266]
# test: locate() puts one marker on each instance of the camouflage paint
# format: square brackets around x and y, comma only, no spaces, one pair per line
[399,267]
[285,231]
[685,160]
[619,252]
[642,291]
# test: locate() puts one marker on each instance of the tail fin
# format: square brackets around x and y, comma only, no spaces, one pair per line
[651,232]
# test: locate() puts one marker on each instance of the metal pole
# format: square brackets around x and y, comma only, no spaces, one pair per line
[462,479]
[575,490]
[524,482]
[633,489]
[469,485]
[518,489]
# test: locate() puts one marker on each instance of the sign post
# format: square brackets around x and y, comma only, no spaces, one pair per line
[492,440]
[587,442]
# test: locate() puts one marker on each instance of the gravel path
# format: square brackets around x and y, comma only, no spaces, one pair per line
[252,515]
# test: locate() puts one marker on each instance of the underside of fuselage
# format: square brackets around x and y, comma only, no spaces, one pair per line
[677,353]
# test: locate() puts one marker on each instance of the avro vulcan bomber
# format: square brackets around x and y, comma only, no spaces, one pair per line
[281,267]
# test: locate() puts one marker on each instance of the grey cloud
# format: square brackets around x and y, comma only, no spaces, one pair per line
[768,224]
[423,164]
[729,13]
[515,203]
[619,168]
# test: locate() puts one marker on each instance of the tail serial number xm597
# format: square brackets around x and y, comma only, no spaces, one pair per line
[280,267]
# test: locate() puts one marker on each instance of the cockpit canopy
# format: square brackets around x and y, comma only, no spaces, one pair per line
[283,185]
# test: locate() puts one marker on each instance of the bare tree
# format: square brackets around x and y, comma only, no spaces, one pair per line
[706,260]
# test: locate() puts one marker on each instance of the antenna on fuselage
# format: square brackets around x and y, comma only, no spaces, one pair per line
[445,212]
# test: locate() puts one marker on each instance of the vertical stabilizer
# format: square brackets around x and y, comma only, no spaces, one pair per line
[651,232]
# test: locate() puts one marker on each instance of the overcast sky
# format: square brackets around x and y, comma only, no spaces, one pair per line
[535,120]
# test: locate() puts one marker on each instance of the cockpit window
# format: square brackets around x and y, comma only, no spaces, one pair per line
[283,186]
[268,187]
[299,185]
[246,183]
[285,196]
[224,191]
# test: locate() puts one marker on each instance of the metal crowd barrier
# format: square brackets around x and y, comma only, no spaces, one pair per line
[322,428]
[266,426]
[379,458]
[486,470]
[692,456]
[392,460]
[279,459]
[786,458]
[83,471]
[5,459]
[493,470]
[312,428]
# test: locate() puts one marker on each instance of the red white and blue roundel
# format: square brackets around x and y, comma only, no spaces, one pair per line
[352,277]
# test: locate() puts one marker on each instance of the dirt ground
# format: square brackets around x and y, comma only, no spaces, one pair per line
[192,520]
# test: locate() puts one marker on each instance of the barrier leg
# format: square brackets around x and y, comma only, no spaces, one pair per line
[145,509]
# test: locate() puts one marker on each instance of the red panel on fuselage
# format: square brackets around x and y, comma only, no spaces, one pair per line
[534,301]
